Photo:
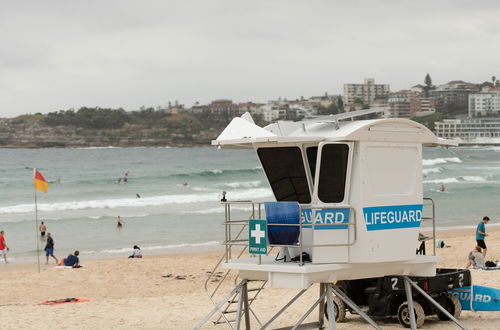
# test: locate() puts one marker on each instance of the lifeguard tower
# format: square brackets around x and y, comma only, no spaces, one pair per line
[351,195]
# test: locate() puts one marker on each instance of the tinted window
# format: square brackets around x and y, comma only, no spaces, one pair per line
[333,172]
[312,154]
[286,174]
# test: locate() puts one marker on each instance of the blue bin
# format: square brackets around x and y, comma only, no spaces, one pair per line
[282,213]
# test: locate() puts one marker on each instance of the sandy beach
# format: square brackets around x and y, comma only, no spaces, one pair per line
[166,292]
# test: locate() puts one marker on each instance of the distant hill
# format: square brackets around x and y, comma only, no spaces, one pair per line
[94,127]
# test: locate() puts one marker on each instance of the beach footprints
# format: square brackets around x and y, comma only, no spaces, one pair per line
[176,277]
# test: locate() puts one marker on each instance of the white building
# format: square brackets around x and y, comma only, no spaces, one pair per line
[485,103]
[366,92]
[470,130]
[272,113]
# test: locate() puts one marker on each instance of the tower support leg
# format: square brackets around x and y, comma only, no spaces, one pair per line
[339,293]
[409,299]
[409,282]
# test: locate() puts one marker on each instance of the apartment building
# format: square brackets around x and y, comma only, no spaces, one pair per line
[366,92]
[454,93]
[219,107]
[409,104]
[400,103]
[485,103]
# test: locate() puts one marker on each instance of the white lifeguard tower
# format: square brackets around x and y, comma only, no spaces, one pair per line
[358,185]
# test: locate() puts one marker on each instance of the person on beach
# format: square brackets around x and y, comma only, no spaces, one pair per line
[3,247]
[49,249]
[71,260]
[481,234]
[119,222]
[42,228]
[137,252]
[475,259]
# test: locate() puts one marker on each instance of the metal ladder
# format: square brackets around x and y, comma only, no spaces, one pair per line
[221,276]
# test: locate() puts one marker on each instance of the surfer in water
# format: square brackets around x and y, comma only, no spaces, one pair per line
[442,188]
[119,222]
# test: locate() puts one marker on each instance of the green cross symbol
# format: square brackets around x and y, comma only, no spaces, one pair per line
[257,236]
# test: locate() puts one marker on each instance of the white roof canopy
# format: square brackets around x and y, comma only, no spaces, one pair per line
[242,133]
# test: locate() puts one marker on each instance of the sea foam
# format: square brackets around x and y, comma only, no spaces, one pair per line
[458,179]
[159,247]
[137,202]
[426,171]
[435,161]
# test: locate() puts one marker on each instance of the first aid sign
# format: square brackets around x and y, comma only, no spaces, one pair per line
[257,236]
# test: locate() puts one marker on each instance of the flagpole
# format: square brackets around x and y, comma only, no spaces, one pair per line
[36,231]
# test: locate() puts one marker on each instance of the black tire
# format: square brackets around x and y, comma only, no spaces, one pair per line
[338,309]
[404,315]
[452,305]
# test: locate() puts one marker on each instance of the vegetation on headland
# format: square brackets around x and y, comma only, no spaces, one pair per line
[104,127]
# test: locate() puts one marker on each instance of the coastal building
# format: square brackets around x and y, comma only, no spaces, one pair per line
[400,103]
[323,101]
[273,112]
[410,104]
[424,106]
[470,130]
[454,93]
[486,103]
[197,108]
[227,107]
[420,89]
[365,93]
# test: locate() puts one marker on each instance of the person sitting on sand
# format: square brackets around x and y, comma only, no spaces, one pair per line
[137,252]
[476,259]
[71,261]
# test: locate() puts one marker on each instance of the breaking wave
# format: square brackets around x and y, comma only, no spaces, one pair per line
[435,161]
[426,171]
[137,202]
[159,247]
[458,179]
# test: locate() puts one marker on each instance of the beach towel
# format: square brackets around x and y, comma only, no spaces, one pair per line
[69,267]
[63,301]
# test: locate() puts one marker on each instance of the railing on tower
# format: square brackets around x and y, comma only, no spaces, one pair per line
[256,213]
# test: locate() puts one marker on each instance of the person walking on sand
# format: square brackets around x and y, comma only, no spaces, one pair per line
[3,247]
[481,234]
[49,249]
[42,228]
[119,222]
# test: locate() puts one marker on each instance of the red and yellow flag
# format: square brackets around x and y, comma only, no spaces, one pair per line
[40,182]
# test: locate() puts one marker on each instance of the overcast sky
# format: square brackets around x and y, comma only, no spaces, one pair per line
[60,54]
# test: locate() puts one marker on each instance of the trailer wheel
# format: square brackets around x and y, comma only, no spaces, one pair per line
[452,305]
[404,314]
[338,308]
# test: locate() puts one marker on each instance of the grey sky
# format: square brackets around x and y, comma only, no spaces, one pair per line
[60,54]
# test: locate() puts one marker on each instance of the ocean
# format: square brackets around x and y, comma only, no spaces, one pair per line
[171,200]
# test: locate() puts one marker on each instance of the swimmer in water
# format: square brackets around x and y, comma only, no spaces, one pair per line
[442,188]
[119,222]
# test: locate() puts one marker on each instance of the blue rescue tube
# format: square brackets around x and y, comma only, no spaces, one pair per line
[282,213]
